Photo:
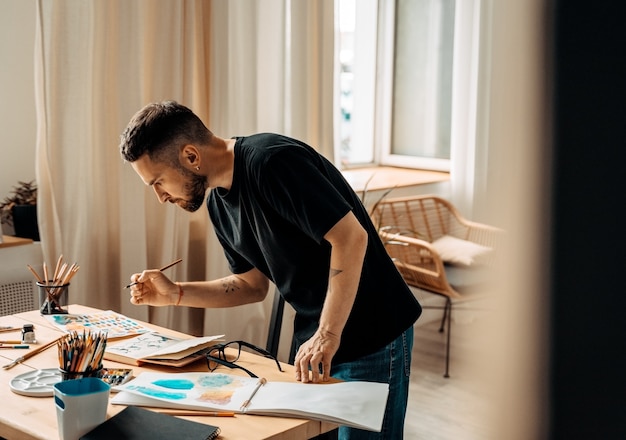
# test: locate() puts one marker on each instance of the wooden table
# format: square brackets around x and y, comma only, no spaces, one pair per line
[24,417]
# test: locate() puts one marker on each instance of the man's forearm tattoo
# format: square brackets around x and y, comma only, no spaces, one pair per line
[230,285]
[335,272]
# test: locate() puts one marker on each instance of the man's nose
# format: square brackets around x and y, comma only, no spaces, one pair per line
[161,195]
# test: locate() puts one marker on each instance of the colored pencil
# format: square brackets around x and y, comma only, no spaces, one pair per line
[197,413]
[81,353]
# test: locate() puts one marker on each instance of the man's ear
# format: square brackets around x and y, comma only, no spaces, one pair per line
[190,157]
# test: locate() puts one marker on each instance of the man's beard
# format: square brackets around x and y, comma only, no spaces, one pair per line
[195,190]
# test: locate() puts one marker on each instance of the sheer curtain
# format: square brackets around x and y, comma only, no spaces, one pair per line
[468,148]
[272,69]
[243,66]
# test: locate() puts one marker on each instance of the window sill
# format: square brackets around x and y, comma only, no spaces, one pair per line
[383,178]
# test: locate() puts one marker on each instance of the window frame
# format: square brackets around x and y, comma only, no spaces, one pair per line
[464,83]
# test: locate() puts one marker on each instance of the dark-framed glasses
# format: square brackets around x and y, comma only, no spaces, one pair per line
[217,356]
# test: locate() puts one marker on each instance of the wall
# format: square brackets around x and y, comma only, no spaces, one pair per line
[18,126]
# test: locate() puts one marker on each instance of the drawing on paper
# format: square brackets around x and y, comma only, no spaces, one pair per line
[213,388]
[143,345]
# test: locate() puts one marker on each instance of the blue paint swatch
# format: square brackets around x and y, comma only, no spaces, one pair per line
[214,380]
[158,393]
[174,384]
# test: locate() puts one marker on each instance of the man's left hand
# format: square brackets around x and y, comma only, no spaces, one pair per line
[315,355]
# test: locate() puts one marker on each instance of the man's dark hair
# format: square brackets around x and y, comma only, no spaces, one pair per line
[160,129]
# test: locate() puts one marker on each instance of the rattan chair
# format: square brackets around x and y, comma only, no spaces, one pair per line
[410,228]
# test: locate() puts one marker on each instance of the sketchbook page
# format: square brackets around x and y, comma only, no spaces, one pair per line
[139,347]
[357,404]
[200,391]
[155,345]
[183,347]
[114,324]
[194,391]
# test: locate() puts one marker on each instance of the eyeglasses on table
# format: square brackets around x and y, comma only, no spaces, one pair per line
[216,356]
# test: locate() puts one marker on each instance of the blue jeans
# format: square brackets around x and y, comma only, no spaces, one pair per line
[391,364]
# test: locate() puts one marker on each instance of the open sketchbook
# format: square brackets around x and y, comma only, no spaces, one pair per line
[155,348]
[357,404]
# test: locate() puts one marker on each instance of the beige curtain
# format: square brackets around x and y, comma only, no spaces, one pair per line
[243,66]
[97,63]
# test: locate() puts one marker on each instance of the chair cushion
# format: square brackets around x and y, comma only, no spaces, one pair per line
[457,251]
[466,279]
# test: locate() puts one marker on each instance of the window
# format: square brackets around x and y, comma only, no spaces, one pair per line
[396,82]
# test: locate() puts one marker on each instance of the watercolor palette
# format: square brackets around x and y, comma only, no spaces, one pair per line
[36,383]
[113,323]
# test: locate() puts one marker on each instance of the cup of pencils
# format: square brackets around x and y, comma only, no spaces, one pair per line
[53,291]
[80,354]
[53,298]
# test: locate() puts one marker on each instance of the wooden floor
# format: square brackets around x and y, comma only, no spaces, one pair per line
[454,408]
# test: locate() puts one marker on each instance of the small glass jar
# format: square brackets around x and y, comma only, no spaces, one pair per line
[28,334]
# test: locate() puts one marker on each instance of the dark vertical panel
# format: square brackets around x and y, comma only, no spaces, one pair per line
[589,251]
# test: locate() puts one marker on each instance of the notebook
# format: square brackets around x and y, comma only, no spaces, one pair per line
[135,423]
[159,349]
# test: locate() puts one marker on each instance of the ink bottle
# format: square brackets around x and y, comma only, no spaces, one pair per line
[28,334]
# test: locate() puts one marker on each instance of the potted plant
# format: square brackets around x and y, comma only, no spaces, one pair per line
[19,211]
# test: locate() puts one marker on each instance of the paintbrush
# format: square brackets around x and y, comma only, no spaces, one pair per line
[9,329]
[31,353]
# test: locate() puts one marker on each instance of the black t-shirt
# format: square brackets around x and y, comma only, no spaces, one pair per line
[284,198]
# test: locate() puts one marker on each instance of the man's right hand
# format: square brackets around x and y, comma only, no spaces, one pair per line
[152,288]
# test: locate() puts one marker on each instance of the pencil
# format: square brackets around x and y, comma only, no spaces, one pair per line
[167,266]
[244,406]
[35,273]
[197,413]
[57,268]
[45,272]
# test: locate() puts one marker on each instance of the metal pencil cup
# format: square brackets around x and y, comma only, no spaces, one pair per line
[53,299]
[71,375]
